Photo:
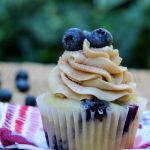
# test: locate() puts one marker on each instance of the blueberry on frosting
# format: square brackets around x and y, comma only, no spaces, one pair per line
[86,34]
[73,39]
[100,38]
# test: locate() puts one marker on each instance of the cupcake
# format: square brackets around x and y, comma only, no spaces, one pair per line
[91,103]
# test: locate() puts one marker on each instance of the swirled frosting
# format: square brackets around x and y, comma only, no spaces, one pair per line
[91,72]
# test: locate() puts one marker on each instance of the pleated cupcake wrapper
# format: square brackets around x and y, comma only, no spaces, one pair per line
[129,137]
[70,130]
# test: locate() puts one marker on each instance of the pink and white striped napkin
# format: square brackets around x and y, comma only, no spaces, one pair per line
[21,127]
[17,121]
[142,139]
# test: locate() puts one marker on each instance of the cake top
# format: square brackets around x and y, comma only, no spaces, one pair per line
[90,67]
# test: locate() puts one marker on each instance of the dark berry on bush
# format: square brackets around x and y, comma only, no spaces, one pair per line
[30,100]
[73,39]
[100,38]
[22,74]
[5,95]
[22,85]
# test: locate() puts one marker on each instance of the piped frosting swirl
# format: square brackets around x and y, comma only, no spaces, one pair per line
[91,72]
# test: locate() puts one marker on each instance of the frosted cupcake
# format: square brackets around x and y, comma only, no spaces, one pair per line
[91,104]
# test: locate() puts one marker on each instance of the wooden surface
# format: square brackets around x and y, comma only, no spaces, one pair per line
[38,78]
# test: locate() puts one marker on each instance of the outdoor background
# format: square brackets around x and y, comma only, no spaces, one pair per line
[31,30]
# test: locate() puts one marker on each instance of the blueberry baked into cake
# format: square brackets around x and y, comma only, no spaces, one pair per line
[91,103]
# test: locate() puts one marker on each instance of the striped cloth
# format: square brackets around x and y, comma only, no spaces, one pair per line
[24,121]
[21,127]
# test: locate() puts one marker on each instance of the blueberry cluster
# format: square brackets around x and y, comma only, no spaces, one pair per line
[97,106]
[73,38]
[22,85]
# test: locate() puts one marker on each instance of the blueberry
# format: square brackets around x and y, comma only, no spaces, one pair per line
[22,74]
[73,39]
[97,106]
[100,38]
[5,95]
[55,145]
[30,100]
[86,34]
[73,133]
[22,85]
[47,139]
[130,116]
[59,144]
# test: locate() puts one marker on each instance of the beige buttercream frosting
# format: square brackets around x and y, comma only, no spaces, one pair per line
[91,72]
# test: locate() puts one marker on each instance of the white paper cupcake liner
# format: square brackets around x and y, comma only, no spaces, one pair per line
[70,130]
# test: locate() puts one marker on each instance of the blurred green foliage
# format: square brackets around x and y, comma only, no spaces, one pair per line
[31,30]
